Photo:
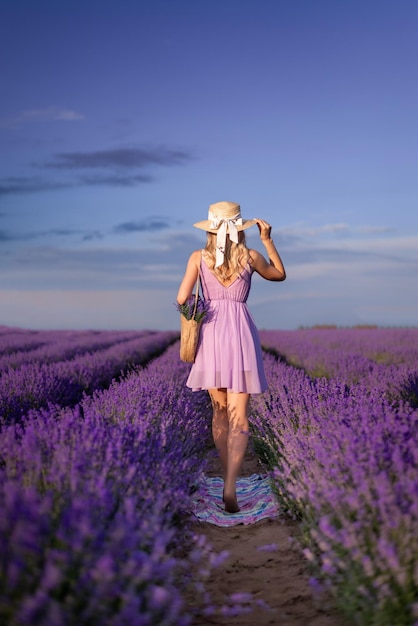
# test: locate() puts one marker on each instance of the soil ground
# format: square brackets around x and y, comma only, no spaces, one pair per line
[280,578]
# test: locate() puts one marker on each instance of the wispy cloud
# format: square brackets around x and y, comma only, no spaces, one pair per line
[28,184]
[171,249]
[52,113]
[148,224]
[114,180]
[336,282]
[371,230]
[119,168]
[121,158]
[47,114]
[92,234]
[88,308]
[151,224]
[339,229]
[86,235]
[401,244]
[302,230]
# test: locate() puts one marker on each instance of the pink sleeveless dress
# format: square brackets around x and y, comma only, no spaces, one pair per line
[229,351]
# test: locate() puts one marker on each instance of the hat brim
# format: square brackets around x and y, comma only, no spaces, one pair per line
[206,225]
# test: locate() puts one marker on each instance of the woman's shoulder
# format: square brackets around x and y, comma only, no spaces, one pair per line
[195,257]
[257,261]
[254,256]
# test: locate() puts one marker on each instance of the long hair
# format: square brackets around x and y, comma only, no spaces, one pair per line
[236,256]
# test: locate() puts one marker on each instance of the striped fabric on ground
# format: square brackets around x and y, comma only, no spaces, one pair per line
[255,499]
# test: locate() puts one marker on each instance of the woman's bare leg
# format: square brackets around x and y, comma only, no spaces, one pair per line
[238,431]
[220,425]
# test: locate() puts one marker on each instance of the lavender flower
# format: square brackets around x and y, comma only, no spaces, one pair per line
[191,310]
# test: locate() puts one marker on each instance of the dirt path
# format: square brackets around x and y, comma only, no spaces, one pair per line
[278,577]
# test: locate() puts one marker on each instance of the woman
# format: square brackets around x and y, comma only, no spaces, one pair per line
[229,359]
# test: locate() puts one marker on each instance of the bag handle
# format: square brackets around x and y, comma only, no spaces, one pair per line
[197,295]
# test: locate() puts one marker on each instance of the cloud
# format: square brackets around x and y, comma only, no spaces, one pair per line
[124,158]
[334,228]
[27,184]
[5,236]
[53,232]
[326,282]
[86,235]
[401,251]
[115,180]
[300,233]
[22,184]
[46,114]
[91,308]
[90,235]
[51,113]
[301,230]
[153,264]
[150,224]
[401,244]
[371,230]
[137,284]
[114,161]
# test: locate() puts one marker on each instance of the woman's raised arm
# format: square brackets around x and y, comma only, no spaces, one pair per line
[274,270]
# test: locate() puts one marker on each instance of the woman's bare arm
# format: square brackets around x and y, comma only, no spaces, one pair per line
[274,270]
[189,278]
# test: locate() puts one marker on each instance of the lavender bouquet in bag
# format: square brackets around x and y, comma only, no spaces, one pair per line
[192,313]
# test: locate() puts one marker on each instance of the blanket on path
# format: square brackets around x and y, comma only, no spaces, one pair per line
[255,499]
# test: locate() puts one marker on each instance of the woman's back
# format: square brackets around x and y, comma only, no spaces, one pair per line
[236,290]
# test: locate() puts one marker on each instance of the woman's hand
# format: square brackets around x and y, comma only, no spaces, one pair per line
[264,229]
[274,270]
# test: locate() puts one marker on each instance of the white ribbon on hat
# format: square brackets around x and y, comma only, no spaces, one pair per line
[224,226]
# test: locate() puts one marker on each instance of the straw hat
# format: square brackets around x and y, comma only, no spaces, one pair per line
[224,218]
[222,212]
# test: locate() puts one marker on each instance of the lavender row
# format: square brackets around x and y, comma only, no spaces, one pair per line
[344,460]
[316,349]
[35,385]
[384,359]
[12,340]
[21,345]
[63,345]
[23,339]
[92,501]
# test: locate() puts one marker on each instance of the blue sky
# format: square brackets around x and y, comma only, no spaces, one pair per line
[121,121]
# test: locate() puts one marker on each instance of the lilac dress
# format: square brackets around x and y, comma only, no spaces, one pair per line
[229,351]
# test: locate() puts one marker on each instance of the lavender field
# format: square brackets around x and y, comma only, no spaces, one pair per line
[38,368]
[94,490]
[339,431]
[102,447]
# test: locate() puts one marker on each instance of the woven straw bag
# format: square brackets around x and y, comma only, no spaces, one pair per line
[189,333]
